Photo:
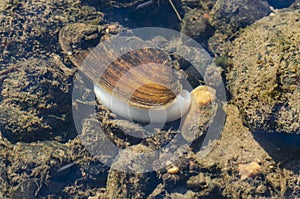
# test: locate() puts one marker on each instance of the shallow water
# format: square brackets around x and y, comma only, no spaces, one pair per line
[56,146]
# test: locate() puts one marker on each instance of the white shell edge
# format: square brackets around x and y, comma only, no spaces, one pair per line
[167,113]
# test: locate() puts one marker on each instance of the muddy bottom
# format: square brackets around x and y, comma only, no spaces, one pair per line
[47,151]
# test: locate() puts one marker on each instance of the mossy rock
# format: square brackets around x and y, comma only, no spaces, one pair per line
[35,101]
[265,77]
[30,28]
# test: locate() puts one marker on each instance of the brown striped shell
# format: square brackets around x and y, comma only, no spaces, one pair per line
[143,77]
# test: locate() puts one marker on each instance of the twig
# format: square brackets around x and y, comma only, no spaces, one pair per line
[175,10]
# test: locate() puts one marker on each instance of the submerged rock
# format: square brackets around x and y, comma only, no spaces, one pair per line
[196,25]
[28,28]
[128,180]
[228,16]
[265,79]
[35,101]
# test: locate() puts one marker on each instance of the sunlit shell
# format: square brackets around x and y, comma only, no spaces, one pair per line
[200,112]
[173,170]
[141,77]
[249,170]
